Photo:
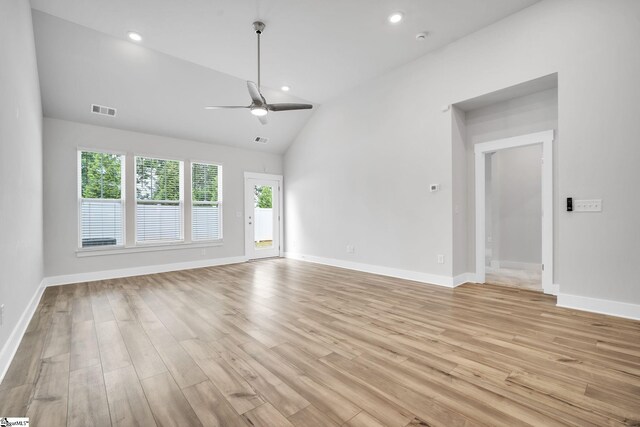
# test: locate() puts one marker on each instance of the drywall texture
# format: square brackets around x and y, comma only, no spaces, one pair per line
[517,200]
[459,190]
[518,116]
[61,142]
[20,164]
[359,171]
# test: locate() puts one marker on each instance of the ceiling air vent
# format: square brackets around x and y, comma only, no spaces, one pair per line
[260,140]
[102,110]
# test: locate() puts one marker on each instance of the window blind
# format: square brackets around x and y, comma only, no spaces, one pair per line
[101,204]
[206,210]
[158,200]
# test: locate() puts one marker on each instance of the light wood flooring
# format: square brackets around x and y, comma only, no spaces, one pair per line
[283,342]
[524,279]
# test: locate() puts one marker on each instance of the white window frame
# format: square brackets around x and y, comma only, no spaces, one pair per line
[123,196]
[181,203]
[219,203]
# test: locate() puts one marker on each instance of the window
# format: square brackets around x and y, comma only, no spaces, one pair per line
[158,200]
[101,201]
[206,196]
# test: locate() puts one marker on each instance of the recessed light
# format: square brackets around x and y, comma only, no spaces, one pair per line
[285,88]
[136,37]
[396,17]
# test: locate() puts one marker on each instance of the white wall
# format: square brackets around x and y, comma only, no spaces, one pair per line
[20,165]
[518,219]
[358,172]
[61,141]
[461,214]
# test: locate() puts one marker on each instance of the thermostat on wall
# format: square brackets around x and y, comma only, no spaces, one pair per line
[434,187]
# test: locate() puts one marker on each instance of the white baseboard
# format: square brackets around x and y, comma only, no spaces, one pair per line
[11,346]
[416,276]
[463,278]
[516,265]
[551,290]
[139,271]
[602,306]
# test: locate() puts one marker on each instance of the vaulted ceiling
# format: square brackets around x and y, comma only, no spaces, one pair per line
[201,52]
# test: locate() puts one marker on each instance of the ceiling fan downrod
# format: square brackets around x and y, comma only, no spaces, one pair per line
[258,26]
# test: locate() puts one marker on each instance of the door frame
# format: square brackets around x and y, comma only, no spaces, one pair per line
[248,238]
[545,138]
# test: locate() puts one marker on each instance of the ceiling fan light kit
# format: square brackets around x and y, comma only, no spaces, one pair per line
[259,111]
[259,106]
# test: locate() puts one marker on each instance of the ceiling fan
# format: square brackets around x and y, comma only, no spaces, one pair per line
[259,106]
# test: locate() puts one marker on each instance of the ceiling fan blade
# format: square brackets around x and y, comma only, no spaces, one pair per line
[223,107]
[255,94]
[288,107]
[263,119]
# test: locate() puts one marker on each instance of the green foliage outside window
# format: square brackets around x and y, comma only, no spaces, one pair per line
[204,186]
[101,175]
[263,196]
[157,179]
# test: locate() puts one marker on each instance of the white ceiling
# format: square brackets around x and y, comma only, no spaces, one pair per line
[318,47]
[152,92]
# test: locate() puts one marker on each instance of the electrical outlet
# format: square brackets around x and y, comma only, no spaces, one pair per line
[1,314]
[440,259]
[350,249]
[203,251]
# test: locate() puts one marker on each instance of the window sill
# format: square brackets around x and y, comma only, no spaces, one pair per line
[80,253]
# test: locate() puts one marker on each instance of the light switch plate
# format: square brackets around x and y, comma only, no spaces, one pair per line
[592,205]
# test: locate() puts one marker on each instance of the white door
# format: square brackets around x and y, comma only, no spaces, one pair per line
[262,215]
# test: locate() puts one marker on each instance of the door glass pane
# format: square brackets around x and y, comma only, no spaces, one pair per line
[263,216]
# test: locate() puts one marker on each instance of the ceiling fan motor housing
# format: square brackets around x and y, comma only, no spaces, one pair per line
[258,27]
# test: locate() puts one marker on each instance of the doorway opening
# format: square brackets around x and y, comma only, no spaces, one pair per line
[263,217]
[513,217]
[508,205]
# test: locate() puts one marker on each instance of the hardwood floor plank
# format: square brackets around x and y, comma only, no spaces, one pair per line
[167,403]
[58,339]
[100,306]
[26,364]
[143,354]
[49,404]
[311,416]
[334,405]
[181,366]
[233,387]
[15,401]
[128,404]
[81,310]
[364,397]
[84,345]
[286,400]
[87,398]
[363,419]
[42,316]
[113,351]
[266,416]
[211,407]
